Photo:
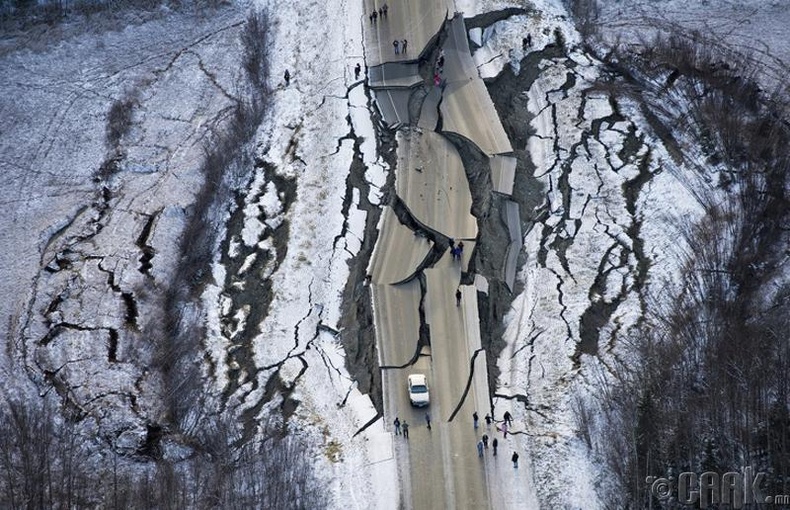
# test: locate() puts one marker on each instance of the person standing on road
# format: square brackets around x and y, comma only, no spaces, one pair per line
[504,430]
[460,250]
[475,419]
[357,70]
[395,43]
[403,46]
[488,420]
[458,297]
[514,458]
[428,420]
[287,77]
[480,448]
[485,441]
[508,418]
[397,426]
[494,444]
[384,10]
[405,427]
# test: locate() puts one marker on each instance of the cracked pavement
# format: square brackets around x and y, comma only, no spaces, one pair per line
[420,326]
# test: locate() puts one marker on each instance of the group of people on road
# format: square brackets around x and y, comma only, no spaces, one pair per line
[483,442]
[400,46]
[402,428]
[380,13]
[482,445]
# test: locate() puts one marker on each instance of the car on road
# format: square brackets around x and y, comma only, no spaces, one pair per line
[418,390]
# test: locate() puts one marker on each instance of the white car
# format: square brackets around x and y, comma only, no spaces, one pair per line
[418,390]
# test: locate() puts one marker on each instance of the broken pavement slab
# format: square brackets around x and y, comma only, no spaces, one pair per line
[513,221]
[466,107]
[392,84]
[503,173]
[399,252]
[394,106]
[397,321]
[394,74]
[431,182]
[429,113]
[467,111]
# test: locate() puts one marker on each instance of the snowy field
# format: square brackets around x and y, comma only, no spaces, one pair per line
[74,279]
[612,212]
[757,28]
[75,243]
[76,240]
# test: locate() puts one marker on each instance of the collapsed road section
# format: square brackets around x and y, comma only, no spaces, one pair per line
[424,301]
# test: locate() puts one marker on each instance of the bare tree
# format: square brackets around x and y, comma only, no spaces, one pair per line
[710,389]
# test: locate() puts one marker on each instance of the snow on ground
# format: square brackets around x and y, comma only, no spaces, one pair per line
[305,138]
[751,27]
[184,71]
[53,143]
[589,217]
[589,224]
[73,240]
[502,41]
[543,328]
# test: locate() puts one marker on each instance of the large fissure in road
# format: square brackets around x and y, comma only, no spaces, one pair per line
[356,324]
